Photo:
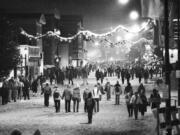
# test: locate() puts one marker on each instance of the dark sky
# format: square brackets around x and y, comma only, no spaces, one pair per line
[98,15]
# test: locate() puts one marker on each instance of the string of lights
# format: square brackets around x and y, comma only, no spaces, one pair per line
[88,35]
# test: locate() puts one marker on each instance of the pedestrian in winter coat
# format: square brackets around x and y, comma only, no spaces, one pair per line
[118,92]
[20,90]
[108,90]
[76,98]
[151,71]
[70,71]
[97,74]
[128,89]
[118,72]
[4,92]
[101,76]
[143,106]
[132,72]
[85,97]
[129,105]
[52,77]
[26,88]
[122,75]
[67,95]
[95,95]
[155,99]
[136,101]
[101,89]
[141,89]
[11,84]
[47,94]
[128,76]
[15,88]
[146,75]
[35,86]
[84,75]
[139,74]
[61,77]
[90,106]
[57,98]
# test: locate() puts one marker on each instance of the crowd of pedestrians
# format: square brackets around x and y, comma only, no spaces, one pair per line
[15,89]
[127,73]
[59,75]
[136,101]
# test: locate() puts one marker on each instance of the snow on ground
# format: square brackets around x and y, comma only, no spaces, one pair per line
[112,119]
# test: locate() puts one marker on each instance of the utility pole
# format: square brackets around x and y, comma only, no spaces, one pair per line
[178,62]
[167,68]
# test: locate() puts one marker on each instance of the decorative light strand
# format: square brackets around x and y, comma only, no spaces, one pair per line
[88,34]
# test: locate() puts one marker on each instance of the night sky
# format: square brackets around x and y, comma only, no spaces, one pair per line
[98,15]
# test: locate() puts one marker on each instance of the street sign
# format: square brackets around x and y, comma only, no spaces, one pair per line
[177,73]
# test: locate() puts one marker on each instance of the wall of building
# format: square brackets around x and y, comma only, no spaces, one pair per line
[68,25]
[64,53]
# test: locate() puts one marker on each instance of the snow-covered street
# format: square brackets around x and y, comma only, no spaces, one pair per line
[29,115]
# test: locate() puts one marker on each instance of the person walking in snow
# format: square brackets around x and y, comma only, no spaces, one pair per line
[57,98]
[47,94]
[90,106]
[96,95]
[67,95]
[85,97]
[76,98]
[118,92]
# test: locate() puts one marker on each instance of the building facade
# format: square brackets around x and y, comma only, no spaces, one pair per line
[51,47]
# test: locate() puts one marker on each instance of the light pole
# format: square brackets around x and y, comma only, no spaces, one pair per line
[57,58]
[178,63]
[167,68]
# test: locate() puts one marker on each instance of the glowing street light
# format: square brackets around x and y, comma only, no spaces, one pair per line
[128,36]
[111,59]
[96,44]
[135,28]
[123,2]
[134,15]
[118,38]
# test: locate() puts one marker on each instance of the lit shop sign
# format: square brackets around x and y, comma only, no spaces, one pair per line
[173,55]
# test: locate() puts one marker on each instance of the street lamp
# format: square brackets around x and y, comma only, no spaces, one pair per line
[96,44]
[134,15]
[128,36]
[123,2]
[118,38]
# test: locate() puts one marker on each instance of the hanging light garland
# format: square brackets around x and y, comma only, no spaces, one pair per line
[88,35]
